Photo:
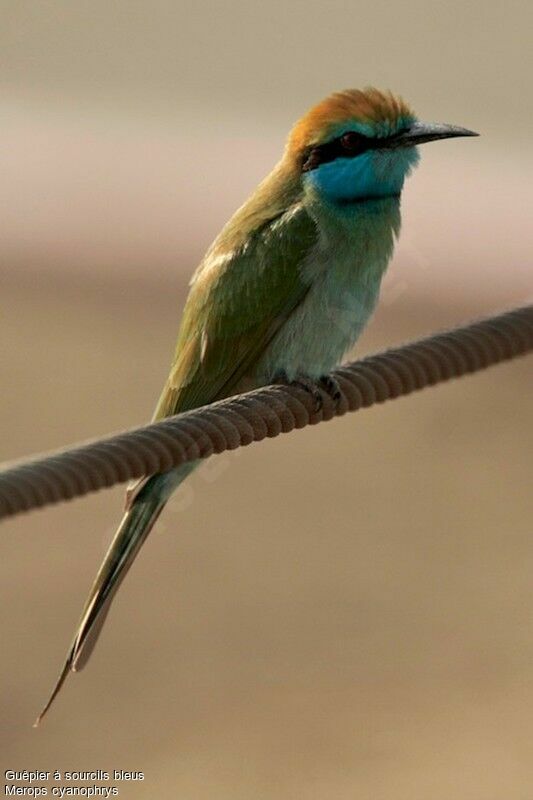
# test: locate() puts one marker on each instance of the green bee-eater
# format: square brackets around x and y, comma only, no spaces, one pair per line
[283,292]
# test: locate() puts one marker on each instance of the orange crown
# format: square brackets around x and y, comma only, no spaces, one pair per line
[365,105]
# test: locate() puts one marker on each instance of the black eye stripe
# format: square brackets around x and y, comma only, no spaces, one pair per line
[349,145]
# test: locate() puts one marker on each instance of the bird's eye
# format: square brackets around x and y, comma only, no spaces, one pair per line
[351,142]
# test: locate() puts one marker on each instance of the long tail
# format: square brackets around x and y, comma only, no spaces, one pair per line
[136,524]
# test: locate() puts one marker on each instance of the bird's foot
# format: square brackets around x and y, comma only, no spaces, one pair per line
[331,387]
[312,388]
[315,388]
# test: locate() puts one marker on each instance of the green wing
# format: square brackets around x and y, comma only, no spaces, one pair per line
[238,300]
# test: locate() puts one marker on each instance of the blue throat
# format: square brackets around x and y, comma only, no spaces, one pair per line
[372,175]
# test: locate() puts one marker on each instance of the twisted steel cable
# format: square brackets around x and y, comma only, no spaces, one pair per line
[266,412]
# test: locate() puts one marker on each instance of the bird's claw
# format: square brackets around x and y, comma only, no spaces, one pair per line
[315,388]
[311,388]
[331,387]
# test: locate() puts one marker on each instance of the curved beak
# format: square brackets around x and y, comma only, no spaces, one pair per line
[420,132]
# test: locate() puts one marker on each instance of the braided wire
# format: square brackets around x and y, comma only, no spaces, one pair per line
[266,412]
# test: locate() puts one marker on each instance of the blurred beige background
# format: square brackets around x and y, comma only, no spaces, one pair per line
[345,612]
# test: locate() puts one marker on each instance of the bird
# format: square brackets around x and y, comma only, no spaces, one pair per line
[283,292]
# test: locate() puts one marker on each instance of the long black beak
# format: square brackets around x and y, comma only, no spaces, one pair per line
[420,132]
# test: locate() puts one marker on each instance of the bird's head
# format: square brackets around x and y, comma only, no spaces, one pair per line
[360,145]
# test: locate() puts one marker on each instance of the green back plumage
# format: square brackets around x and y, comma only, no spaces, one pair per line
[239,298]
